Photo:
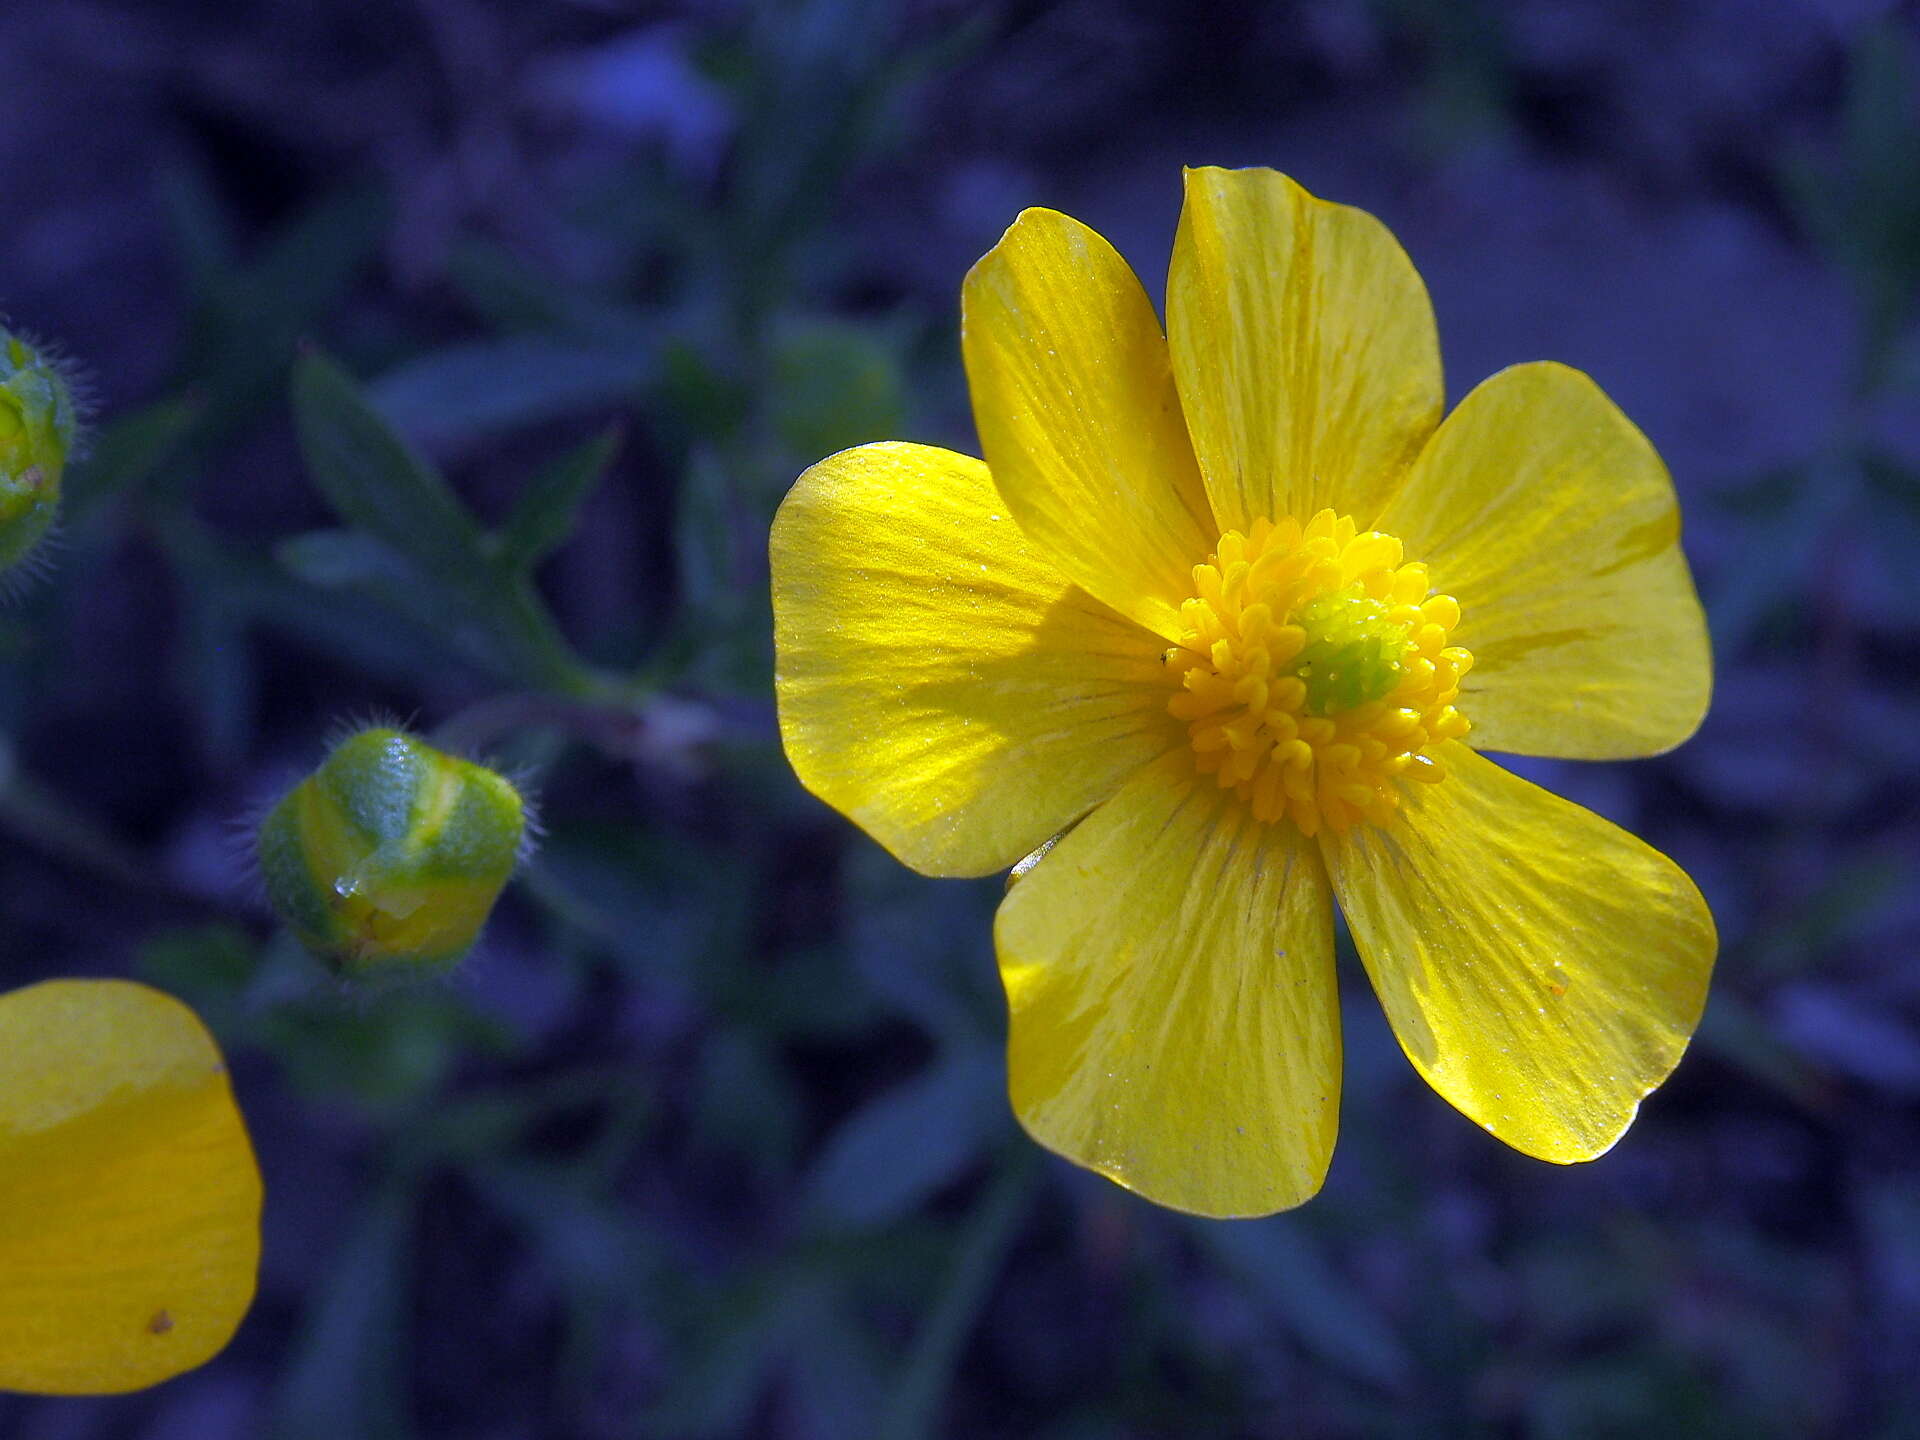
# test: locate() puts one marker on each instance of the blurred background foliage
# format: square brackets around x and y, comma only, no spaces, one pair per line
[449,358]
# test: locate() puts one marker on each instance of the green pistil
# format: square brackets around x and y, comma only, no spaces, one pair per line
[1353,652]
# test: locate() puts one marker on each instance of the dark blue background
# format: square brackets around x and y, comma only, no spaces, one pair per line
[709,1138]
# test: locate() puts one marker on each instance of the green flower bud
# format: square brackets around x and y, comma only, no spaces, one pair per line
[37,431]
[387,860]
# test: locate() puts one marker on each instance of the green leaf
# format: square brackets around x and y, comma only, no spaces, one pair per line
[494,385]
[339,559]
[702,399]
[741,1339]
[832,1374]
[307,265]
[1892,480]
[246,323]
[345,1374]
[127,451]
[512,295]
[259,590]
[1863,206]
[835,386]
[747,1103]
[374,480]
[210,964]
[351,561]
[391,1058]
[549,507]
[902,1147]
[594,1249]
[200,229]
[378,484]
[1283,1265]
[986,1239]
[1736,1033]
[1780,542]
[1882,110]
[723,634]
[214,672]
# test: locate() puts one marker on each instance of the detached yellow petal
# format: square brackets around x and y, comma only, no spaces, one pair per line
[1548,516]
[1304,347]
[1169,971]
[1073,396]
[1542,968]
[940,682]
[129,1198]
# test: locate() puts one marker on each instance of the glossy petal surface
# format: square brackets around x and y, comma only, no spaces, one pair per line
[1304,348]
[1074,398]
[129,1198]
[1548,516]
[1542,968]
[940,682]
[1169,970]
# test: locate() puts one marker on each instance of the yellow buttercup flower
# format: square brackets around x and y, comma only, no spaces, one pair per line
[129,1197]
[1236,609]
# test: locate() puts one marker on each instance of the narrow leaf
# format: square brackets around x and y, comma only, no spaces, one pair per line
[335,559]
[344,1377]
[900,1148]
[500,384]
[127,451]
[375,481]
[985,1240]
[547,510]
[1285,1268]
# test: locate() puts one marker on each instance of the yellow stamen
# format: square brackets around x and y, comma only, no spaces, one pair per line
[1314,671]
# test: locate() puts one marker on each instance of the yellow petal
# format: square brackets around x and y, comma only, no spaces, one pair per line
[129,1199]
[1548,516]
[1073,395]
[940,682]
[1174,1018]
[1304,347]
[1542,968]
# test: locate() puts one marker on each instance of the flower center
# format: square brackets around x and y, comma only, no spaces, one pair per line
[1314,671]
